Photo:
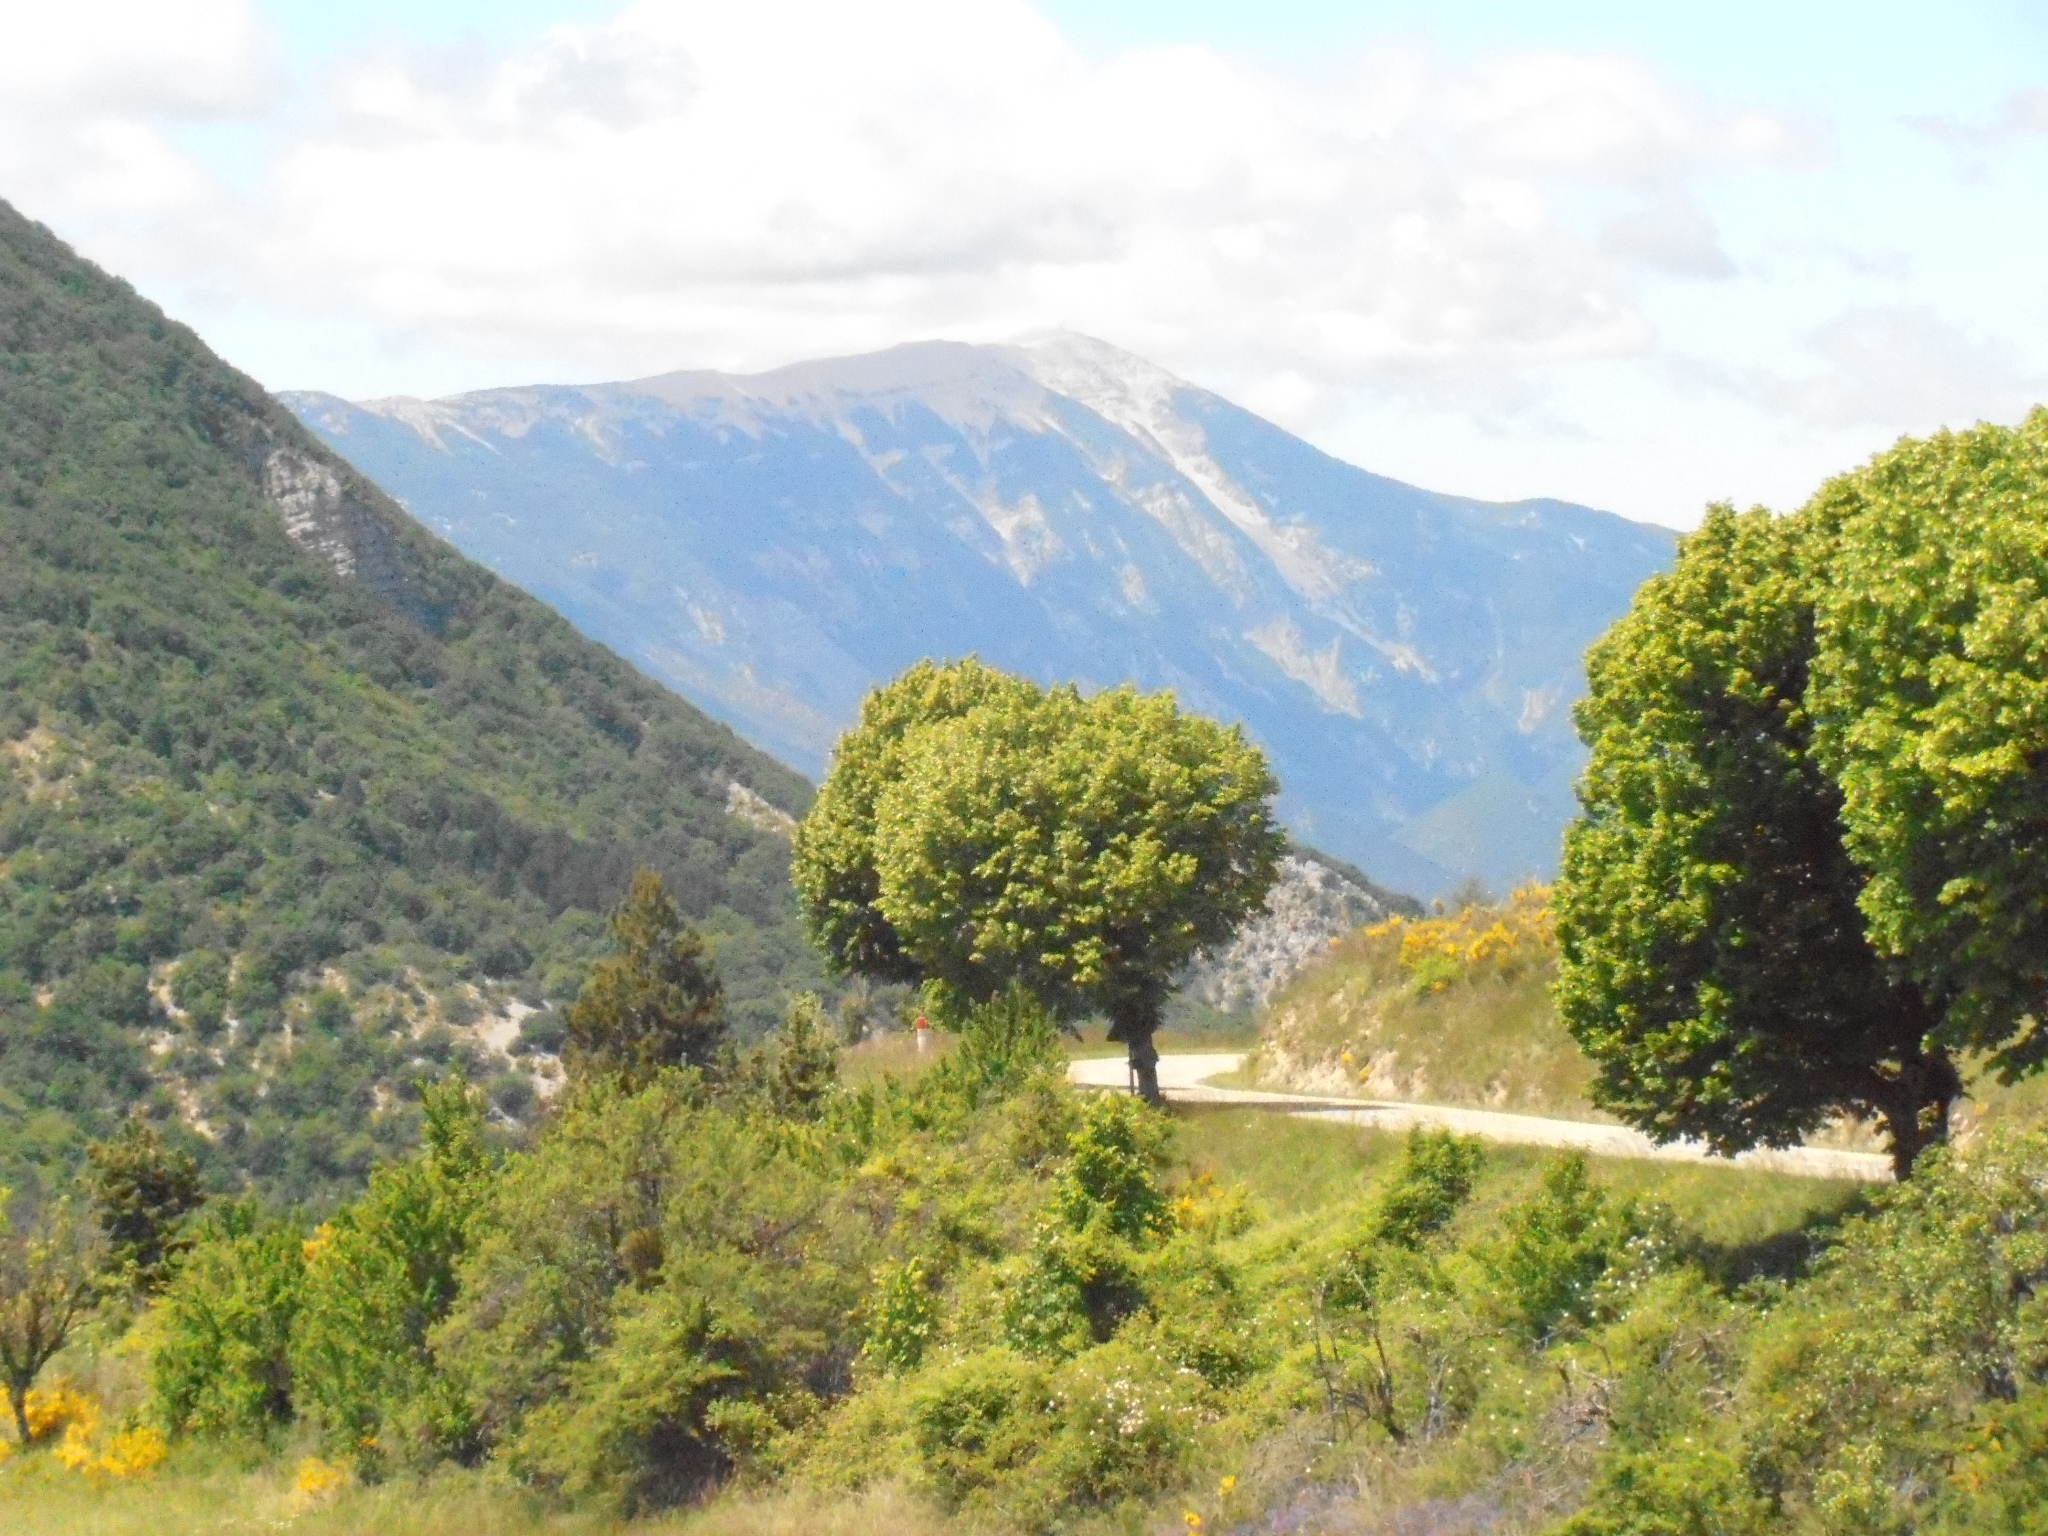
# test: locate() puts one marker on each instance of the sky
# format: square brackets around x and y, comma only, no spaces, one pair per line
[1641,257]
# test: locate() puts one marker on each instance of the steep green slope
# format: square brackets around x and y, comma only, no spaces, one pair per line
[295,801]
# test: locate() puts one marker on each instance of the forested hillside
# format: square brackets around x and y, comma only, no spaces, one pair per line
[294,798]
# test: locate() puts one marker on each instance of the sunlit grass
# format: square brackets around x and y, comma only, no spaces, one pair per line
[1292,1166]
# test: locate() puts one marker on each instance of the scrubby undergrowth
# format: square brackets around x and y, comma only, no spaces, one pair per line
[979,1301]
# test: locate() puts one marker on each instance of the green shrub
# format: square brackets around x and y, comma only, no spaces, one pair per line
[1070,1289]
[1999,1484]
[1676,1490]
[996,1433]
[1924,1315]
[1005,1045]
[1435,1178]
[220,1357]
[659,1258]
[1555,1248]
[378,1277]
[1114,1158]
[902,1315]
[980,1423]
[1128,1418]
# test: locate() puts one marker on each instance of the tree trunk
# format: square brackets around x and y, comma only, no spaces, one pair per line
[1134,1022]
[1914,1106]
[17,1399]
[1145,1066]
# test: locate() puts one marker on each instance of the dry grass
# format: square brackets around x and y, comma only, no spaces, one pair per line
[39,1499]
[1491,1042]
[894,1054]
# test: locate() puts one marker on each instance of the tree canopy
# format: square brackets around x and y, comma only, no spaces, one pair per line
[1931,701]
[1808,875]
[976,831]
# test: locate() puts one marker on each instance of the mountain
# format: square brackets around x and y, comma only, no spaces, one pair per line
[772,545]
[296,803]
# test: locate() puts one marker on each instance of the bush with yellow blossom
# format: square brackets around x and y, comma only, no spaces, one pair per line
[1506,941]
[72,1419]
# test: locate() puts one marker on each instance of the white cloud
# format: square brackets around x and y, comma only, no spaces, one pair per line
[1902,367]
[1528,273]
[183,58]
[92,96]
[695,182]
[2024,112]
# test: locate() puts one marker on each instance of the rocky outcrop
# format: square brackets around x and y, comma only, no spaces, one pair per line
[1310,904]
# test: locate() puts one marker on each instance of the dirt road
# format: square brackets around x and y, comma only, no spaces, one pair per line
[1183,1079]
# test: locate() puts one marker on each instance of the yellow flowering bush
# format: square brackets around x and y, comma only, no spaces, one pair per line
[1215,1210]
[316,1482]
[1505,940]
[72,1418]
[133,1452]
[54,1410]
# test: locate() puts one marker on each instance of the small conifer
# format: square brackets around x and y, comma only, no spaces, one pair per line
[656,1001]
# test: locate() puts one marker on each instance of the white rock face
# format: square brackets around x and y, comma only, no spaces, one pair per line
[749,806]
[308,495]
[1309,905]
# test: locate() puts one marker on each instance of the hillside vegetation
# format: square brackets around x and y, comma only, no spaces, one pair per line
[976,1301]
[295,802]
[1452,1008]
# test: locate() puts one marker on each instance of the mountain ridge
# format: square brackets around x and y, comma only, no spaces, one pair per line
[773,544]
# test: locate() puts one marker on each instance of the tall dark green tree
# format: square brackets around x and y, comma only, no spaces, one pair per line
[142,1189]
[655,1001]
[1713,959]
[1812,871]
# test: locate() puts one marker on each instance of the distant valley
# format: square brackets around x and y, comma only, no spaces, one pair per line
[773,545]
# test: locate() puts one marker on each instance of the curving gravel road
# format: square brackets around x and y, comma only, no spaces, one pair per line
[1183,1079]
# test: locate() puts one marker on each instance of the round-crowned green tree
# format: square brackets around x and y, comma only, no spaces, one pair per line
[1930,701]
[1713,960]
[976,831]
[834,853]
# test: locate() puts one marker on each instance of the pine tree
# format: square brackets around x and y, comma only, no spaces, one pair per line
[655,1002]
[143,1190]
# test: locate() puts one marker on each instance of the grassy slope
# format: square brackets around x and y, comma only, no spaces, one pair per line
[1488,1038]
[1486,1035]
[230,776]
